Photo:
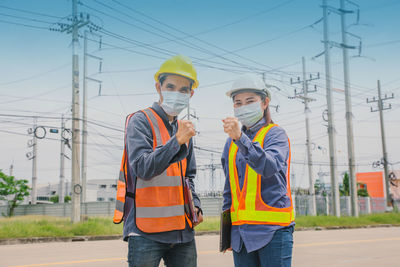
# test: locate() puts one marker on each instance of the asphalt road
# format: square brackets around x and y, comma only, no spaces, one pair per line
[357,247]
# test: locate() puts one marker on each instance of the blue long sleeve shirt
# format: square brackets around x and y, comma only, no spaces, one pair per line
[271,163]
[147,163]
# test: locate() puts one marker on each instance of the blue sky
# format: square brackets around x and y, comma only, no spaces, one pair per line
[36,68]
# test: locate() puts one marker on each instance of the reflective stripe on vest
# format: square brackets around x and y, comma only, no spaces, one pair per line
[248,206]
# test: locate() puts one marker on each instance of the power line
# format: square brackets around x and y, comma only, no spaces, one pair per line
[31,12]
[28,116]
[278,37]
[383,43]
[133,94]
[119,47]
[34,96]
[25,25]
[188,44]
[33,99]
[130,40]
[107,127]
[154,49]
[36,75]
[57,118]
[170,53]
[130,71]
[380,6]
[220,26]
[208,150]
[126,49]
[198,39]
[25,18]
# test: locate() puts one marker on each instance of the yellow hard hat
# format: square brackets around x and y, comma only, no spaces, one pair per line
[179,65]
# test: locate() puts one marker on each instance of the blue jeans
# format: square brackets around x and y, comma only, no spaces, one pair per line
[277,253]
[143,252]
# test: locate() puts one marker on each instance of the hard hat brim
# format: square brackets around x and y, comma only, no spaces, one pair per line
[182,74]
[237,91]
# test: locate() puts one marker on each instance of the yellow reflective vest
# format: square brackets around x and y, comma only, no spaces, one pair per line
[248,206]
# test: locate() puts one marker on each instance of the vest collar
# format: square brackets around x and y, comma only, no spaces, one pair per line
[160,112]
[254,129]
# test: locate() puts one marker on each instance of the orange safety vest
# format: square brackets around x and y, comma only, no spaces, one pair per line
[159,202]
[248,206]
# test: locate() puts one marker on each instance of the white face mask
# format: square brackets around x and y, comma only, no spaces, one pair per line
[174,102]
[249,114]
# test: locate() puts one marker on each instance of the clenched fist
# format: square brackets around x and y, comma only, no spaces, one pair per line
[185,132]
[232,127]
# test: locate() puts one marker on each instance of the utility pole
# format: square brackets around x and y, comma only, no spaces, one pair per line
[212,175]
[33,156]
[84,113]
[34,163]
[331,125]
[11,168]
[76,187]
[62,153]
[381,108]
[188,111]
[72,27]
[293,189]
[312,208]
[84,120]
[349,114]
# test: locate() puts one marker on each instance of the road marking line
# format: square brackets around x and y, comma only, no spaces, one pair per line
[347,242]
[70,262]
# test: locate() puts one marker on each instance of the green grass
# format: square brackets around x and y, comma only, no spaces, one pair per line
[363,220]
[46,226]
[209,224]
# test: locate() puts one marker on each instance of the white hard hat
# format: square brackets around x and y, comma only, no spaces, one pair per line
[248,83]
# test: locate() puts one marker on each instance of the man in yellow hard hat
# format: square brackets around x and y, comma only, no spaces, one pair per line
[157,173]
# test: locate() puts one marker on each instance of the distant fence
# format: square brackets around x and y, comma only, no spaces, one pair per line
[64,209]
[211,206]
[366,205]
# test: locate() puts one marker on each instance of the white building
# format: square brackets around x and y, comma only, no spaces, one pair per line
[101,190]
[96,190]
[45,192]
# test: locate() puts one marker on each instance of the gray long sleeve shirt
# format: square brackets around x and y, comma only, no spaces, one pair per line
[146,163]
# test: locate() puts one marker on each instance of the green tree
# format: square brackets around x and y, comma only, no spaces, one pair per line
[345,190]
[67,199]
[13,191]
[362,192]
[54,199]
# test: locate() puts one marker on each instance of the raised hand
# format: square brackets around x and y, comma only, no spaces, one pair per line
[185,132]
[232,127]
